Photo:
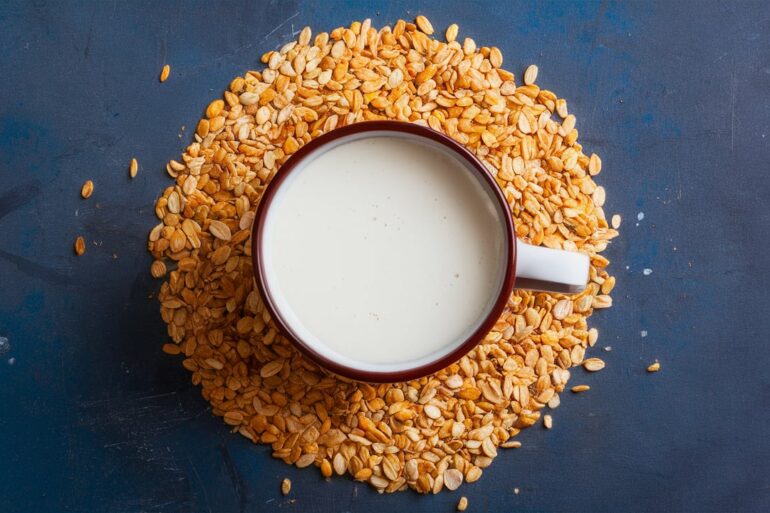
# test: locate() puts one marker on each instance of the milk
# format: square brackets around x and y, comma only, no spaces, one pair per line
[384,251]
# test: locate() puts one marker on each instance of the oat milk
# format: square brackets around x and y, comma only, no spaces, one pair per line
[384,250]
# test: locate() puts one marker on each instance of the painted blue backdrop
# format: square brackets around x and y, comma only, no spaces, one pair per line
[675,97]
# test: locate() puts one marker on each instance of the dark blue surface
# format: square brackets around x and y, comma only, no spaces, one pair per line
[675,97]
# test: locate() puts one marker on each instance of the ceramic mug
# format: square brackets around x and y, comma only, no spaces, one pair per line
[314,289]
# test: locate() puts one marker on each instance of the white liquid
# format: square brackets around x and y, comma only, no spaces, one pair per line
[384,251]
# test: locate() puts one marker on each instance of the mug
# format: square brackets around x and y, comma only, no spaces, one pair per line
[349,282]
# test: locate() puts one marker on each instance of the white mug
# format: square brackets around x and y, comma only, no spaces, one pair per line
[385,251]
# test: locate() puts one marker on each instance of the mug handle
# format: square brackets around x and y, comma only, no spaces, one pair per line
[550,270]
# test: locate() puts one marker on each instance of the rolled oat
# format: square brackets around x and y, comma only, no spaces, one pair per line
[427,434]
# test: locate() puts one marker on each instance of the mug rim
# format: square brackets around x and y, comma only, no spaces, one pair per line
[412,130]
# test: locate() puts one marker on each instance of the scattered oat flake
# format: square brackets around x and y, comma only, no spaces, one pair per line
[640,216]
[580,388]
[171,349]
[165,72]
[593,364]
[547,421]
[133,168]
[87,189]
[286,486]
[647,271]
[80,246]
[530,75]
[462,504]
[616,220]
[516,491]
[655,367]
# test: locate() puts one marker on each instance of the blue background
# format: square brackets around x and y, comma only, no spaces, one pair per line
[674,96]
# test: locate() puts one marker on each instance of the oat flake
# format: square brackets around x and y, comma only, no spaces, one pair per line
[393,436]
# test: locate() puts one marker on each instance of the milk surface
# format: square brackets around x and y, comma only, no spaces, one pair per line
[384,251]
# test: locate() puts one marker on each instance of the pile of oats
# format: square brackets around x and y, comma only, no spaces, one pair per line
[427,434]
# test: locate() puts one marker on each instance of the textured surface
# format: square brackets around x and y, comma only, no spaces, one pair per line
[93,417]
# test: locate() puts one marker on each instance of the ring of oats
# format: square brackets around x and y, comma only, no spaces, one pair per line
[438,431]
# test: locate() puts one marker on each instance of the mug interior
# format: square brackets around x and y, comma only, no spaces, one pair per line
[284,312]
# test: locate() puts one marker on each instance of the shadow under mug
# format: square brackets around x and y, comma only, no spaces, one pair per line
[527,266]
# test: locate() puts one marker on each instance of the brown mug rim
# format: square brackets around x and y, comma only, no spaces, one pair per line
[382,376]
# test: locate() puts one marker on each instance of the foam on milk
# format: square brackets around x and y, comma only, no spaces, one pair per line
[384,250]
